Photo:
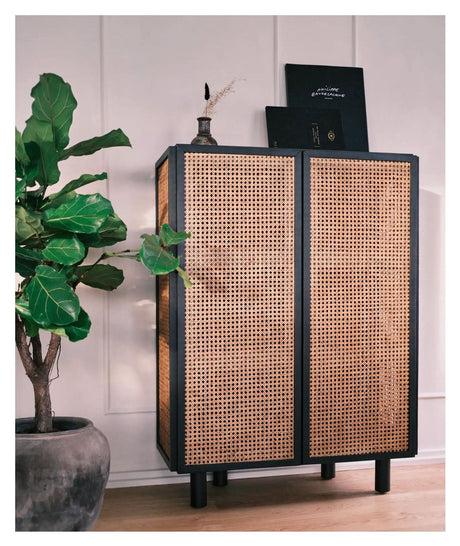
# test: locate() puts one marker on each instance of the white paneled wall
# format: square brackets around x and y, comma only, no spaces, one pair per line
[146,75]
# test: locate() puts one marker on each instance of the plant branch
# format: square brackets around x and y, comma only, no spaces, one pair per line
[37,350]
[57,365]
[23,347]
[53,349]
[118,253]
[104,256]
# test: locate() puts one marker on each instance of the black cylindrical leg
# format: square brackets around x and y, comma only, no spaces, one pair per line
[382,475]
[328,471]
[220,478]
[198,492]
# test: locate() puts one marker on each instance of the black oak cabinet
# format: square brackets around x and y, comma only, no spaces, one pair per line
[297,343]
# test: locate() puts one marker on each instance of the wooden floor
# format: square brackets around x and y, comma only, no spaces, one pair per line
[286,503]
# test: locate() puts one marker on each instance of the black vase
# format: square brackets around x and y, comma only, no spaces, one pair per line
[204,132]
[60,476]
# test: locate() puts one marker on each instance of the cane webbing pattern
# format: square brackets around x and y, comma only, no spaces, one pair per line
[164,408]
[239,315]
[359,314]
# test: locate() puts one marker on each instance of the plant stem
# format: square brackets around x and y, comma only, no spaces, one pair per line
[118,253]
[104,256]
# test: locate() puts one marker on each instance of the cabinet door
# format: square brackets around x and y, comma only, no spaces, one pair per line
[239,342]
[360,312]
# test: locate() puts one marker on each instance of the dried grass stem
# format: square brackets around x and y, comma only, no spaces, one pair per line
[216,97]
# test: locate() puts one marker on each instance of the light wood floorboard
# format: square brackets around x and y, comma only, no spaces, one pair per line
[286,503]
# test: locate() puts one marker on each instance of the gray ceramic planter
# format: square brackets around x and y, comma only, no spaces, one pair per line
[60,476]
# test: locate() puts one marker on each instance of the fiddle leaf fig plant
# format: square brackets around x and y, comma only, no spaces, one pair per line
[55,231]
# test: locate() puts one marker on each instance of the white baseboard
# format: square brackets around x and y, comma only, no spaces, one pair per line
[163,476]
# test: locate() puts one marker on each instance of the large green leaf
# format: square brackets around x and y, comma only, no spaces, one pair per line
[51,300]
[67,250]
[42,152]
[20,187]
[22,159]
[80,329]
[22,309]
[83,214]
[57,202]
[102,276]
[171,237]
[53,106]
[32,328]
[28,225]
[26,172]
[75,184]
[31,174]
[88,147]
[155,258]
[75,331]
[112,231]
[47,130]
[26,261]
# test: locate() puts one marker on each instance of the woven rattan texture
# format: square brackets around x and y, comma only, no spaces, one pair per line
[164,408]
[359,315]
[239,315]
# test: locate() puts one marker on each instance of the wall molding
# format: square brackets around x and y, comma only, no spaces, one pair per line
[128,411]
[431,395]
[354,40]
[276,68]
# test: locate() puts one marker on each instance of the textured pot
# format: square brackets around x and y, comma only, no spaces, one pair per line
[60,476]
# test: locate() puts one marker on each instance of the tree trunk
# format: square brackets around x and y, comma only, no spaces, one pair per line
[38,371]
[43,413]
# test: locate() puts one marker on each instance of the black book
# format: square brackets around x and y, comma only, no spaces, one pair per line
[303,128]
[332,88]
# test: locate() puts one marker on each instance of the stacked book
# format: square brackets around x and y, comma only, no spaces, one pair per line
[326,109]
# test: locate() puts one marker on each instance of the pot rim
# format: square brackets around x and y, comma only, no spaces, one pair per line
[76,424]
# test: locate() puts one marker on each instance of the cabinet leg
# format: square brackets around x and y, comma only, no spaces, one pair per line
[328,471]
[382,475]
[220,478]
[198,491]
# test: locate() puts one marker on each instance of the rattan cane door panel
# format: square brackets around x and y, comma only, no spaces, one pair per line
[164,380]
[360,259]
[239,316]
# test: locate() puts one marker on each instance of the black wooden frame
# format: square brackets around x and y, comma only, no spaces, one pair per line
[171,461]
[181,150]
[413,296]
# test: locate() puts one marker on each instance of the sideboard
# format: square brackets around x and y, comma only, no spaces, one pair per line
[297,343]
